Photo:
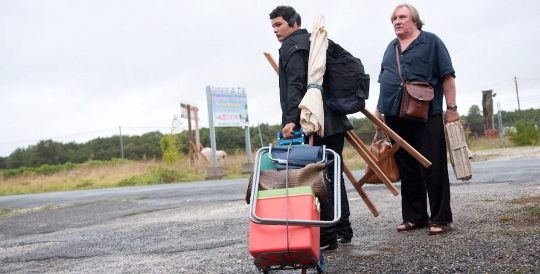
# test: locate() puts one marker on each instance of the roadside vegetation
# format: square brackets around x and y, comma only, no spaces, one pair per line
[105,174]
[157,158]
[117,173]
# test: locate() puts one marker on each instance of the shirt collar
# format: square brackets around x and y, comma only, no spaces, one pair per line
[421,39]
[297,32]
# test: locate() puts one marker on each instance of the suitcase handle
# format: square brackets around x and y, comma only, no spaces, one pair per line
[300,155]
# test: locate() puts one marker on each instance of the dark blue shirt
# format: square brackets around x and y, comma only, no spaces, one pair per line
[426,59]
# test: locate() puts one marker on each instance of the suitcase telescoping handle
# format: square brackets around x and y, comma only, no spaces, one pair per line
[296,222]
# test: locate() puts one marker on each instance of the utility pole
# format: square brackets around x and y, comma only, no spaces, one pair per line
[517,93]
[121,144]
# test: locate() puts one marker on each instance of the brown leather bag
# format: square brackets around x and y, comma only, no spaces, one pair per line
[415,100]
[382,149]
[415,97]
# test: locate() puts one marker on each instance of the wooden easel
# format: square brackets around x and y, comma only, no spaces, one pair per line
[368,156]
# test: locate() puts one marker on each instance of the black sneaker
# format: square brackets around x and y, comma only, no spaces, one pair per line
[343,240]
[328,247]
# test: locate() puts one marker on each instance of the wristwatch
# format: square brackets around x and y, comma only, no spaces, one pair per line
[451,107]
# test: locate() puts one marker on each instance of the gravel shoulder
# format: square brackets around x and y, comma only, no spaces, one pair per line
[492,233]
[496,229]
[507,153]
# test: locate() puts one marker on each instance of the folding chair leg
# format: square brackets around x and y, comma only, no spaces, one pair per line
[361,192]
[394,136]
[370,159]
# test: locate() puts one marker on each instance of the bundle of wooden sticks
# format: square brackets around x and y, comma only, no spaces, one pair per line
[460,156]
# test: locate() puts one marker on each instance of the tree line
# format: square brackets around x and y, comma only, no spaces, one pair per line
[474,120]
[147,146]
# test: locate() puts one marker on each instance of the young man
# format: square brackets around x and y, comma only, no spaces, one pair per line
[422,57]
[293,63]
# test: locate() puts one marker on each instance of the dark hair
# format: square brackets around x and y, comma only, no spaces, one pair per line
[288,13]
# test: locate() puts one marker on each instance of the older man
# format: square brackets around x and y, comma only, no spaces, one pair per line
[422,57]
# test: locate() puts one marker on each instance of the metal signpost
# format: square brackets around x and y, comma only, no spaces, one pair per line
[227,107]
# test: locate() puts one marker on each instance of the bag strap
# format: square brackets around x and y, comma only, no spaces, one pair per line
[385,137]
[398,64]
[375,136]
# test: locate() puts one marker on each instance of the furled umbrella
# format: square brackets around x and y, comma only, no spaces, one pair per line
[312,111]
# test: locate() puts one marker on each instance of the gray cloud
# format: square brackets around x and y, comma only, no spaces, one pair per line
[76,70]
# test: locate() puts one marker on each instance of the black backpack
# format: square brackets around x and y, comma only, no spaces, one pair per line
[345,84]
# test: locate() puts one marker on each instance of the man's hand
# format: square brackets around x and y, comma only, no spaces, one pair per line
[451,116]
[288,130]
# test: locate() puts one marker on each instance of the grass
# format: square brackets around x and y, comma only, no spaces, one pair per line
[5,212]
[525,212]
[115,173]
[103,175]
[482,143]
[352,159]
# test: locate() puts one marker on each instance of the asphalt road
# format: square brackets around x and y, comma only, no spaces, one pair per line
[200,227]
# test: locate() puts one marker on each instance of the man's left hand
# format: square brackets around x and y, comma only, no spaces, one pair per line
[288,130]
[451,116]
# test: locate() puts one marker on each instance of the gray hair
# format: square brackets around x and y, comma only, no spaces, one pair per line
[415,16]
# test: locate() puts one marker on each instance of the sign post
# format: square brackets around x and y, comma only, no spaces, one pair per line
[227,107]
[247,167]
[214,171]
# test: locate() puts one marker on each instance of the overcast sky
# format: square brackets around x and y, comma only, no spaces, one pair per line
[75,70]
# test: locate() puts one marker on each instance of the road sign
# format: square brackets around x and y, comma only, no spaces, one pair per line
[229,107]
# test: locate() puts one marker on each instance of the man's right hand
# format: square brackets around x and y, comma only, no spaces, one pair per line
[288,130]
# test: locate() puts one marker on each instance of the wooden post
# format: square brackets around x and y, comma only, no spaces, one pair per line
[487,108]
[272,62]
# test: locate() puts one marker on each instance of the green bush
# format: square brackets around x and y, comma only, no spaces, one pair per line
[16,171]
[45,169]
[165,175]
[95,163]
[168,148]
[156,175]
[525,135]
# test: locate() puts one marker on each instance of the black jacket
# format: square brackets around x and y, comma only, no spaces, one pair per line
[293,65]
